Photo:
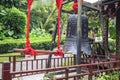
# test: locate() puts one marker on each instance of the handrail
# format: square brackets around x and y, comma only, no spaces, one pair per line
[68,67]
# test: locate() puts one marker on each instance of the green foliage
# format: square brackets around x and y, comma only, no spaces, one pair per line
[82,78]
[8,45]
[14,22]
[2,36]
[94,23]
[112,45]
[112,29]
[43,17]
[49,76]
[68,6]
[41,3]
[2,13]
[9,3]
[39,33]
[108,76]
[112,32]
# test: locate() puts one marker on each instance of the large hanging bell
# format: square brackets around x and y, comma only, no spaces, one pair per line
[70,44]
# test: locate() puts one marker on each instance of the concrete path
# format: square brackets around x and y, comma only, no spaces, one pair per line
[32,77]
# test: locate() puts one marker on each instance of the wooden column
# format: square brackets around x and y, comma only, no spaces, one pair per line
[79,37]
[118,33]
[105,37]
[6,71]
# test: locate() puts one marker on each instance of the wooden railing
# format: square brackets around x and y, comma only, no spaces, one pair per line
[41,64]
[86,70]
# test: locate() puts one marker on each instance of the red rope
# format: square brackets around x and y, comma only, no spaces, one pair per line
[75,6]
[28,49]
[59,6]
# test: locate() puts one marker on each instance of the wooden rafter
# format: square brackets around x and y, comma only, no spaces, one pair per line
[110,2]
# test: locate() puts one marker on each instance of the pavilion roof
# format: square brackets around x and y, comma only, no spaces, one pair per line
[108,7]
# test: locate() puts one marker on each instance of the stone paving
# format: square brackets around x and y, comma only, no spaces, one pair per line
[32,77]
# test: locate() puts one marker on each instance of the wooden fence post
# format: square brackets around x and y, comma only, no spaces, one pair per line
[74,59]
[34,57]
[9,58]
[6,71]
[66,73]
[14,63]
[90,68]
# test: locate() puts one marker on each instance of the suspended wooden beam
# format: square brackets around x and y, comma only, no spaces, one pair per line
[91,7]
[84,5]
[118,33]
[66,2]
[109,2]
[39,52]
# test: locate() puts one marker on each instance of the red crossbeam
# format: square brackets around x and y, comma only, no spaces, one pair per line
[39,52]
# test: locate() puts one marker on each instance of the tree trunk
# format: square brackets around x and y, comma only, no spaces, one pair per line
[118,34]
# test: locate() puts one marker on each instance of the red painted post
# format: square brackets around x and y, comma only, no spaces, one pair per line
[9,58]
[93,58]
[14,63]
[74,59]
[90,72]
[66,73]
[6,71]
[114,65]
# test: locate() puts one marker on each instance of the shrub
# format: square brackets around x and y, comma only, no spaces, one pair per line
[2,36]
[108,76]
[2,13]
[7,46]
[36,43]
[112,45]
[39,33]
[49,76]
[14,22]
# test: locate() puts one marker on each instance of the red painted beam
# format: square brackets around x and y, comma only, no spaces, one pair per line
[39,52]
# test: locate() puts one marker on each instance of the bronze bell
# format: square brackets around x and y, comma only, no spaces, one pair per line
[70,45]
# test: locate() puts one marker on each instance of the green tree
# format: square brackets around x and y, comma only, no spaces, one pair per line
[10,3]
[43,14]
[43,17]
[14,22]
